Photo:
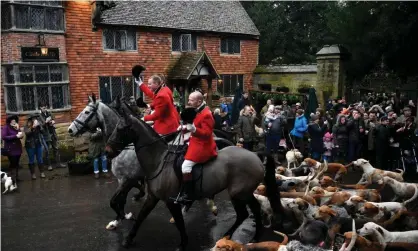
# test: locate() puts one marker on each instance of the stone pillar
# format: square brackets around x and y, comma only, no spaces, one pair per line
[331,78]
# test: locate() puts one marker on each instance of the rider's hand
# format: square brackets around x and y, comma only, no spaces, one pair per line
[181,128]
[191,128]
[139,81]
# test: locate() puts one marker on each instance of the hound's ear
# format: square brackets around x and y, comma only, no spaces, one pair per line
[332,212]
[380,230]
[2,175]
[228,237]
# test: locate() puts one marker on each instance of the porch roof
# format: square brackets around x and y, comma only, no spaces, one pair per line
[187,63]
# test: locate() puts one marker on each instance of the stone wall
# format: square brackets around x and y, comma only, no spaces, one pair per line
[327,76]
[291,76]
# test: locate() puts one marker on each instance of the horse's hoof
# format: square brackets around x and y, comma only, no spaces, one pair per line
[172,220]
[112,225]
[127,242]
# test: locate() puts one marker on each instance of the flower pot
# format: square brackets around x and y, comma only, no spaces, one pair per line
[80,168]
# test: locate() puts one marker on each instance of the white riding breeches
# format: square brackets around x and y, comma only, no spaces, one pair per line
[187,166]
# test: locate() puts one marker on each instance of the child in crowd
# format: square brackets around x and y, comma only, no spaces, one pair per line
[328,146]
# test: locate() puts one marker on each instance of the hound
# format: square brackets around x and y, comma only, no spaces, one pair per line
[372,228]
[401,189]
[370,173]
[292,157]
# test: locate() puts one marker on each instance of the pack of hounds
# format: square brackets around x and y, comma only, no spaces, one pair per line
[313,191]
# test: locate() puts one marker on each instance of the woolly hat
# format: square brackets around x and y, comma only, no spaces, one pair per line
[328,135]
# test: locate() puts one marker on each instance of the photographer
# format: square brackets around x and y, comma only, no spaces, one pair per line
[50,136]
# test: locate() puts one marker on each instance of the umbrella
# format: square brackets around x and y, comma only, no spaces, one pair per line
[235,109]
[312,104]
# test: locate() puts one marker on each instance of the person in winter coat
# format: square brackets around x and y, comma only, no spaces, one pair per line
[245,128]
[11,136]
[328,147]
[97,153]
[274,133]
[218,119]
[382,143]
[340,132]
[35,144]
[50,136]
[299,129]
[316,133]
[356,132]
[244,101]
[370,133]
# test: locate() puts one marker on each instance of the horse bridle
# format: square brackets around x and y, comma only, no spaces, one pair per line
[85,122]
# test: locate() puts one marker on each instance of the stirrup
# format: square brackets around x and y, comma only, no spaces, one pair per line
[179,200]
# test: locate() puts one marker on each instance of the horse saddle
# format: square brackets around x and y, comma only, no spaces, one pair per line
[197,171]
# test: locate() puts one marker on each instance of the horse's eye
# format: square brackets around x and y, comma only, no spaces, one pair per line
[87,112]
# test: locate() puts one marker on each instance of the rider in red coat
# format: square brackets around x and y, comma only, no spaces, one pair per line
[166,118]
[202,146]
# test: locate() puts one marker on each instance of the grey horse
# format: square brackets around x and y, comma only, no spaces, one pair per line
[125,167]
[235,169]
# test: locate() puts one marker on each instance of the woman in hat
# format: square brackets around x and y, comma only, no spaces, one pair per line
[34,144]
[11,135]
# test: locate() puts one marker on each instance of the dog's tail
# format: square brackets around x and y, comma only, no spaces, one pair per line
[413,197]
[272,192]
[285,238]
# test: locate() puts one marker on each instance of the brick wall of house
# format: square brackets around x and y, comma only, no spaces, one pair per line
[88,60]
[11,44]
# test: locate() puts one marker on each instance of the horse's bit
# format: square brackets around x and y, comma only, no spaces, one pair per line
[84,123]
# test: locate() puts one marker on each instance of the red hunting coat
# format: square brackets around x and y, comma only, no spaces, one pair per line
[202,146]
[165,116]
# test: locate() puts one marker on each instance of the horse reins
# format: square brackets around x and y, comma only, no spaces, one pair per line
[84,123]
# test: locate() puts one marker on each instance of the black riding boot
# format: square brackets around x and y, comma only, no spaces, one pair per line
[187,189]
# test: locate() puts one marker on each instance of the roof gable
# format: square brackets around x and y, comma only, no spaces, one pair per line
[222,17]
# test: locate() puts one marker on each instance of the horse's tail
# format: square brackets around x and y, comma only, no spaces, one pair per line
[271,186]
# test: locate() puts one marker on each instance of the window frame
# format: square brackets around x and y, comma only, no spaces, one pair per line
[227,42]
[232,90]
[18,87]
[193,42]
[104,44]
[13,16]
[123,78]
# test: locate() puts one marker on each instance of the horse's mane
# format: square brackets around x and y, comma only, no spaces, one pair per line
[140,121]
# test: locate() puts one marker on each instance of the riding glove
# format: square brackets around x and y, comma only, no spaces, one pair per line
[139,81]
[191,127]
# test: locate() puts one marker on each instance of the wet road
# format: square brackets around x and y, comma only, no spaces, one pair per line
[70,213]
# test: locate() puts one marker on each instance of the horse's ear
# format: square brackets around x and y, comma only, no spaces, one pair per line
[90,99]
[93,96]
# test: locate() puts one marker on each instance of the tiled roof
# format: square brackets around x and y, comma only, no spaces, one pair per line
[223,16]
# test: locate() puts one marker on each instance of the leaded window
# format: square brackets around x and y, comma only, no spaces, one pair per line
[27,86]
[230,46]
[230,83]
[33,15]
[184,42]
[121,40]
